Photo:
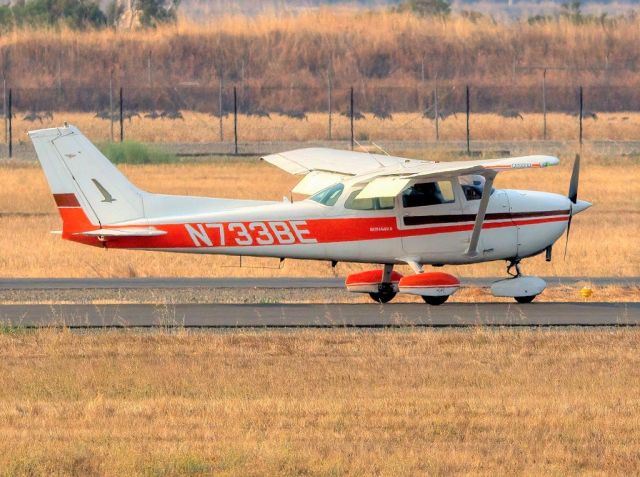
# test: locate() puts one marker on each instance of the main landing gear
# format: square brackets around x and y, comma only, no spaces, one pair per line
[383,285]
[520,287]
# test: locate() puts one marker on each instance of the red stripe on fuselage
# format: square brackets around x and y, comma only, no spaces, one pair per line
[321,230]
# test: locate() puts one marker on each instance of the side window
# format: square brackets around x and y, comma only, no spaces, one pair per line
[428,193]
[374,203]
[328,196]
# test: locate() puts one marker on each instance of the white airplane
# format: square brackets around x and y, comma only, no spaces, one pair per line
[362,207]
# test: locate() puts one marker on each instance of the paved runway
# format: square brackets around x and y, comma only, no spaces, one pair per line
[273,283]
[331,315]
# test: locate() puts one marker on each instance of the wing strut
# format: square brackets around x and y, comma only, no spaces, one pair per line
[482,210]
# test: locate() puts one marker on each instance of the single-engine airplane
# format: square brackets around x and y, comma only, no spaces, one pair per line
[362,207]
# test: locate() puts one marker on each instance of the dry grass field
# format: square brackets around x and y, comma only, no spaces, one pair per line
[603,240]
[200,127]
[489,402]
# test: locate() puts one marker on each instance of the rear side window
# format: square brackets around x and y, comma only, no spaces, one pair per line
[374,203]
[428,193]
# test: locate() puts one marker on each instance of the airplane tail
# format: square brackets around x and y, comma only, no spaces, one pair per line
[89,190]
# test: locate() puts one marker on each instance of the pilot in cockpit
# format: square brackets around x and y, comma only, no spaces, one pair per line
[472,186]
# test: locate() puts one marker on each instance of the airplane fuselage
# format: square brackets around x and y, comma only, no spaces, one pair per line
[518,224]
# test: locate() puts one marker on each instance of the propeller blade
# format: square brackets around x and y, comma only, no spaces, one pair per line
[573,185]
[566,243]
[573,197]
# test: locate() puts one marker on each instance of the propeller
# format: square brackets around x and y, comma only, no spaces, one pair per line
[573,197]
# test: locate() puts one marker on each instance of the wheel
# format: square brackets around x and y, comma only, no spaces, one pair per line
[525,299]
[382,297]
[435,300]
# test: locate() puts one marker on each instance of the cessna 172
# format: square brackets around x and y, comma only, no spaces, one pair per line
[362,207]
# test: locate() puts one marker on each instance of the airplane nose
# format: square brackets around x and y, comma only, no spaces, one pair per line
[580,205]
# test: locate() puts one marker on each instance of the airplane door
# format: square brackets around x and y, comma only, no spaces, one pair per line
[426,212]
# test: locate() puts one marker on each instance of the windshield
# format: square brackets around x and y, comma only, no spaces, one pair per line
[328,196]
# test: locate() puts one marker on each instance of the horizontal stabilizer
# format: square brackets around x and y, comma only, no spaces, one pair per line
[128,232]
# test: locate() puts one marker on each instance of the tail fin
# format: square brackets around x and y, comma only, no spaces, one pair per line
[82,178]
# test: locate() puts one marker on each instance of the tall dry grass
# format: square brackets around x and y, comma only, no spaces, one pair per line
[367,49]
[320,403]
[603,239]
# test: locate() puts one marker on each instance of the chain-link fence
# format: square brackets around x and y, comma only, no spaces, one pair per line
[244,113]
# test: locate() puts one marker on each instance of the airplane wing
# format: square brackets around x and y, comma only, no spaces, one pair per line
[348,163]
[323,167]
[389,183]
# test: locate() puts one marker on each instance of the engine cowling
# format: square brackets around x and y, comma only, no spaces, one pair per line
[429,284]
[369,281]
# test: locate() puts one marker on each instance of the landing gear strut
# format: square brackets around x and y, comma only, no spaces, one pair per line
[514,263]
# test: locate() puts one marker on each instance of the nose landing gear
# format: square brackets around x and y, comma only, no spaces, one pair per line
[520,287]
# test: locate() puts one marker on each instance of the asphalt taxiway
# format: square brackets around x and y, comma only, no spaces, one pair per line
[320,315]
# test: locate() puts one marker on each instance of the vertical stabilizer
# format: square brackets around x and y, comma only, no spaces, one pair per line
[80,176]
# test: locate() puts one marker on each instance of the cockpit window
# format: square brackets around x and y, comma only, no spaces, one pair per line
[328,196]
[374,203]
[428,193]
[472,186]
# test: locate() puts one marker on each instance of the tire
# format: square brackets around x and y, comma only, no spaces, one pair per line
[525,299]
[382,297]
[435,300]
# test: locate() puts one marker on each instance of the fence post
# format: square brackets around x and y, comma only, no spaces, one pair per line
[435,107]
[329,93]
[4,107]
[149,69]
[544,104]
[351,116]
[10,111]
[468,131]
[121,116]
[220,108]
[111,104]
[581,115]
[59,76]
[235,120]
